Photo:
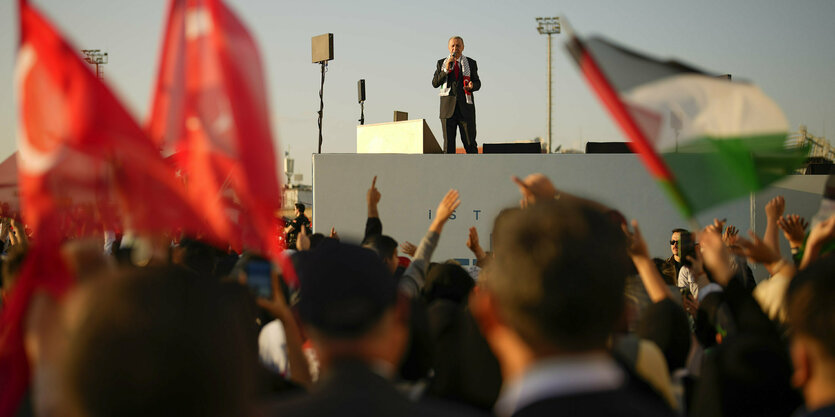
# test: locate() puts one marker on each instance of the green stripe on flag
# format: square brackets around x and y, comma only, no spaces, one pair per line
[711,170]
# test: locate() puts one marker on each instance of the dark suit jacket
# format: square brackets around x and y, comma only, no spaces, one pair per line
[456,95]
[352,389]
[620,402]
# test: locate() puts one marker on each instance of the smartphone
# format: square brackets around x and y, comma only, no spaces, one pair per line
[259,277]
[687,247]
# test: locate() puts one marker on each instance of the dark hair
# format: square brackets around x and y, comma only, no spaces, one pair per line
[447,281]
[559,274]
[811,311]
[300,207]
[384,245]
[345,289]
[316,239]
[160,341]
[665,323]
[680,230]
[199,256]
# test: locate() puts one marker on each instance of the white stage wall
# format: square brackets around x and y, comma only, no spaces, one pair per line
[412,186]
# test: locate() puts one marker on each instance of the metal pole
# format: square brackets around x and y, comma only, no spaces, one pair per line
[321,103]
[549,94]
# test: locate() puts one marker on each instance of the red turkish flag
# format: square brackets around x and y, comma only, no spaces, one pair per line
[210,111]
[81,154]
[84,166]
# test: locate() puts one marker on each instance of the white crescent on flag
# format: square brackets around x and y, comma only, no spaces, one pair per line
[39,158]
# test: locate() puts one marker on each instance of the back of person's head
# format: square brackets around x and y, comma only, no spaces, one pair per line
[198,256]
[811,317]
[811,310]
[714,320]
[158,341]
[384,245]
[558,275]
[447,281]
[316,239]
[665,323]
[345,289]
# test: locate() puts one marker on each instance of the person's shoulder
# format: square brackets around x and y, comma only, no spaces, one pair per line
[619,402]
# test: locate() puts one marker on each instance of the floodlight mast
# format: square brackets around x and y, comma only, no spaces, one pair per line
[548,26]
[96,58]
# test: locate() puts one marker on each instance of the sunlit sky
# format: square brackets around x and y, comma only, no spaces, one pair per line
[786,47]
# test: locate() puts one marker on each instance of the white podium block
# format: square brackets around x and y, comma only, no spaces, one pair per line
[409,136]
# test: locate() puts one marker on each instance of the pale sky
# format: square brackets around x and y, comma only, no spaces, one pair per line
[785,47]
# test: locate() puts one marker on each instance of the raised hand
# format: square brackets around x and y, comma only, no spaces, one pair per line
[774,208]
[303,240]
[637,245]
[472,239]
[446,207]
[730,236]
[651,278]
[474,246]
[333,234]
[794,229]
[715,255]
[757,251]
[535,187]
[372,197]
[819,236]
[408,248]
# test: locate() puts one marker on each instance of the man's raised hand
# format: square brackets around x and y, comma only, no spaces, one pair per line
[372,197]
[794,229]
[446,207]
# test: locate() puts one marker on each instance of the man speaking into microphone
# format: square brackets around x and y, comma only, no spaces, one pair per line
[457,76]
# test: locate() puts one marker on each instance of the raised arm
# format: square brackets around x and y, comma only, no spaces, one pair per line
[773,211]
[373,225]
[654,284]
[820,235]
[278,308]
[440,74]
[415,275]
[474,246]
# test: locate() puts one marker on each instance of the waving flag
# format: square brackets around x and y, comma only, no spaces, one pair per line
[210,111]
[704,138]
[84,165]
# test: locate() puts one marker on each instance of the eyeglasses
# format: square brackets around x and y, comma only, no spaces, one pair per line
[674,242]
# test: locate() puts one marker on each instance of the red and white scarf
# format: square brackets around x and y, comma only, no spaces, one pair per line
[465,70]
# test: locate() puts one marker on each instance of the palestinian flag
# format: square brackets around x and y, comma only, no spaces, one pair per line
[705,138]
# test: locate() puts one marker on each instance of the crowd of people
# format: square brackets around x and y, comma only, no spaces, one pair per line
[567,314]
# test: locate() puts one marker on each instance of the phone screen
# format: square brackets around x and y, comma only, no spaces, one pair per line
[258,278]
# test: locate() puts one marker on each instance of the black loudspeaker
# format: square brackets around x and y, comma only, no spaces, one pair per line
[360,91]
[524,147]
[321,48]
[607,147]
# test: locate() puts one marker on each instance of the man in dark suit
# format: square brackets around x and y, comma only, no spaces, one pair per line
[358,323]
[547,307]
[457,76]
